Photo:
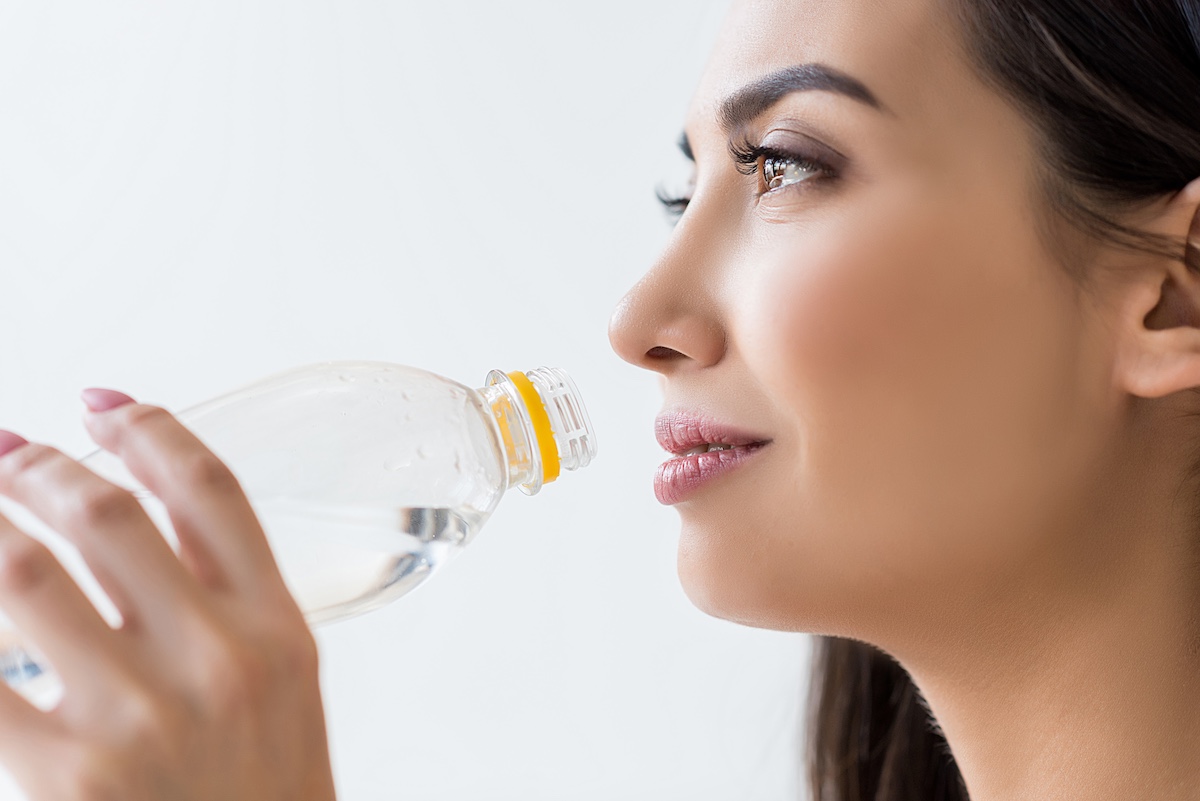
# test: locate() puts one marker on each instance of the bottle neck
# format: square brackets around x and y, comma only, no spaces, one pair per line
[542,423]
[524,459]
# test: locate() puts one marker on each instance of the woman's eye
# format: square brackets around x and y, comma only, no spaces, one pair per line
[778,172]
[776,169]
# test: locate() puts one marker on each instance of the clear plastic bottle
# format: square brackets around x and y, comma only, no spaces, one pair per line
[366,476]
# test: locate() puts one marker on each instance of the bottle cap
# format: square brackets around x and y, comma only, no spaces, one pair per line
[557,420]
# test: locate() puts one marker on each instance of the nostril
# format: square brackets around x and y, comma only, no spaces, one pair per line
[660,353]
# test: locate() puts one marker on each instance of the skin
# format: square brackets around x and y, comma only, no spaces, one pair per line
[978,463]
[209,689]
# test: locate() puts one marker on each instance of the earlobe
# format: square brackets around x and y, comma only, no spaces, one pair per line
[1159,349]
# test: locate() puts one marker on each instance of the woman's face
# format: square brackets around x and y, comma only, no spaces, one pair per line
[929,381]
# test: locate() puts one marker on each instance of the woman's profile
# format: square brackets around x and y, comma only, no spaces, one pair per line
[928,327]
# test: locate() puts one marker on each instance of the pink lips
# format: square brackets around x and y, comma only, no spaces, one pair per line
[679,477]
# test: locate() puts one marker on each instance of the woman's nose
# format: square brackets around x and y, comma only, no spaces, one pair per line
[664,327]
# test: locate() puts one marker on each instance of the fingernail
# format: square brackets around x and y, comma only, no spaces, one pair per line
[10,441]
[101,400]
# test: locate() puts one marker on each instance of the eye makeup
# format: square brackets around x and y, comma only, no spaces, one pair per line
[782,158]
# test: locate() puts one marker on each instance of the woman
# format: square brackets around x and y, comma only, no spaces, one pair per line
[927,326]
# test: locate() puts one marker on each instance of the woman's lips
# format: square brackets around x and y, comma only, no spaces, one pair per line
[688,436]
[679,477]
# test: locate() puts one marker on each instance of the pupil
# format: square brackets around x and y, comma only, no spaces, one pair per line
[774,173]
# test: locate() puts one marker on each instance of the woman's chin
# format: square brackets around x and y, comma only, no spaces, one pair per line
[727,578]
[719,586]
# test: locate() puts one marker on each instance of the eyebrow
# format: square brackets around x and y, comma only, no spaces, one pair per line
[746,103]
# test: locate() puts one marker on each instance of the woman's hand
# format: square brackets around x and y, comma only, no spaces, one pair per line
[208,691]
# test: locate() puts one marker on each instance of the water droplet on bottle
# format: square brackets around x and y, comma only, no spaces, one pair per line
[396,465]
[423,452]
[406,395]
[349,379]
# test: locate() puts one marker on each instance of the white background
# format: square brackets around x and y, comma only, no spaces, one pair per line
[193,195]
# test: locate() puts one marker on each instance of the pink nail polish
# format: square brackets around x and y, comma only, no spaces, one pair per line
[10,441]
[101,400]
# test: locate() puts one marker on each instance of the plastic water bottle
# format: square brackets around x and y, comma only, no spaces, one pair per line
[366,476]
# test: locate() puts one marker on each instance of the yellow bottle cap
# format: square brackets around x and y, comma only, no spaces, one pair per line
[551,464]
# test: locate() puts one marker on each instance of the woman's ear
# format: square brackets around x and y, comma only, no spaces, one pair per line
[1158,351]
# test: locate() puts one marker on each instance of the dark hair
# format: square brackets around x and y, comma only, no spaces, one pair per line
[1112,90]
[871,734]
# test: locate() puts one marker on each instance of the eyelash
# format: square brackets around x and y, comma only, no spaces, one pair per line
[750,159]
[675,205]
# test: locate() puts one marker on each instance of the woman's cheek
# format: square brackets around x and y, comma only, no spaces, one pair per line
[846,329]
[927,378]
[837,326]
[827,335]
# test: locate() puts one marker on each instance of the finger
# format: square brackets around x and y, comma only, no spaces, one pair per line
[120,544]
[48,607]
[207,506]
[26,733]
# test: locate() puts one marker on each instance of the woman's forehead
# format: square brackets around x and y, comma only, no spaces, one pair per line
[905,52]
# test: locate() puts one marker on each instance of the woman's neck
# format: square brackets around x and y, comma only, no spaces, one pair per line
[1082,684]
[1103,708]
